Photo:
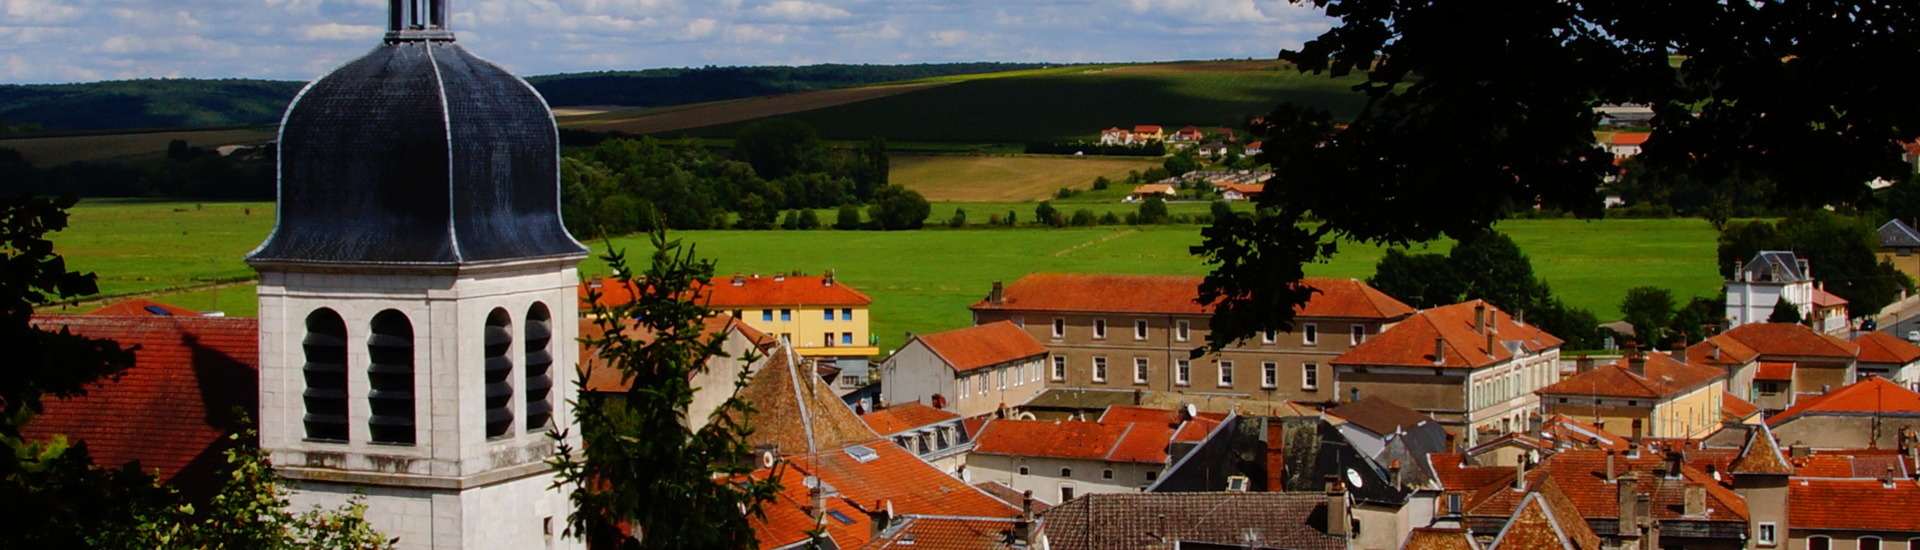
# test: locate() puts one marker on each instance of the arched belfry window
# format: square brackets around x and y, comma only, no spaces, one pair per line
[390,379]
[325,372]
[539,366]
[499,373]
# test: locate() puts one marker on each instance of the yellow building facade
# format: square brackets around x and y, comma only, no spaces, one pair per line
[818,316]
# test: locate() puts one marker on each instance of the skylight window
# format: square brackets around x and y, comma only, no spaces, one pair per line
[862,453]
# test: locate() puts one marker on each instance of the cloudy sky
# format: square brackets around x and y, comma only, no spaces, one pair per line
[86,40]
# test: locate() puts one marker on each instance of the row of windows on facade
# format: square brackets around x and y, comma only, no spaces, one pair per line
[1183,372]
[1768,537]
[1021,374]
[938,439]
[1518,382]
[391,357]
[1105,473]
[766,315]
[1183,332]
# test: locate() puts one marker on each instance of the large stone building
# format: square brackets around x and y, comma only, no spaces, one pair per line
[1470,366]
[1135,331]
[1654,392]
[974,371]
[417,296]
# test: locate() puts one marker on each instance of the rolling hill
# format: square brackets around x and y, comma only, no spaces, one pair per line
[1054,105]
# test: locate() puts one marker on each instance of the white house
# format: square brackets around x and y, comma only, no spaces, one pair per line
[1774,274]
[974,371]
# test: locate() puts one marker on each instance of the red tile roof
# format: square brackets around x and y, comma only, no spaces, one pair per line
[1880,347]
[1735,409]
[1863,504]
[983,346]
[1119,414]
[1790,340]
[1545,518]
[172,410]
[1010,496]
[599,376]
[1760,455]
[1455,474]
[904,417]
[1630,138]
[1581,474]
[141,307]
[948,533]
[1411,342]
[897,476]
[1875,394]
[1722,350]
[1561,427]
[1197,430]
[1664,377]
[1143,442]
[1175,295]
[1243,188]
[1824,299]
[788,519]
[749,292]
[1437,538]
[1774,372]
[1154,188]
[1146,129]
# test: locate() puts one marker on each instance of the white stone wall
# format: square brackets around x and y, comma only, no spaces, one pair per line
[915,374]
[1751,302]
[409,487]
[522,514]
[1044,479]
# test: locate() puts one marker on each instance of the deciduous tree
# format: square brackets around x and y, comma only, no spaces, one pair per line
[1477,109]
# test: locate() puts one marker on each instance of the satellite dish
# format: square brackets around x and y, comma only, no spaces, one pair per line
[1354,479]
[766,459]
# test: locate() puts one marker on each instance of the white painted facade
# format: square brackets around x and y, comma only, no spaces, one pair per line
[1044,475]
[454,487]
[1500,396]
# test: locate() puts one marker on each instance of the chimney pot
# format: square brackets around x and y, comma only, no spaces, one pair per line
[998,295]
[1480,317]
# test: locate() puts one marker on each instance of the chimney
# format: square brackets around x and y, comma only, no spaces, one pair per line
[1886,479]
[1637,364]
[1610,468]
[1393,472]
[998,295]
[1520,472]
[1629,503]
[1339,523]
[827,280]
[1023,526]
[1695,504]
[1520,317]
[817,499]
[879,519]
[1492,343]
[1450,442]
[1738,267]
[739,280]
[1674,460]
[1633,447]
[779,277]
[1583,364]
[1480,317]
[1439,350]
[1798,450]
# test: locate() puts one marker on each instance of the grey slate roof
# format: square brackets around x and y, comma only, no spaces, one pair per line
[1153,521]
[1774,266]
[418,153]
[1896,234]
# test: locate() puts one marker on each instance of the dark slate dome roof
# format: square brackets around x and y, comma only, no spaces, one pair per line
[418,153]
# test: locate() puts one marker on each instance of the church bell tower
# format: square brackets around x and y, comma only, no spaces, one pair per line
[417,296]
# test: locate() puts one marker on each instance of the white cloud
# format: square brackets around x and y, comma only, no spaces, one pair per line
[337,31]
[800,10]
[62,40]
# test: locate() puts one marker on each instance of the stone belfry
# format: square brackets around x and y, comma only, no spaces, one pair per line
[417,296]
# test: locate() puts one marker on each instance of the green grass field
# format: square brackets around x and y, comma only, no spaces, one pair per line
[968,178]
[921,281]
[1069,105]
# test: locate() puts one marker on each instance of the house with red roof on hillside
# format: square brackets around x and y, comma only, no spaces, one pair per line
[1470,366]
[822,318]
[1888,357]
[1627,144]
[1187,134]
[1773,364]
[1148,132]
[1116,136]
[1128,332]
[1063,459]
[1759,285]
[1671,399]
[1644,499]
[974,371]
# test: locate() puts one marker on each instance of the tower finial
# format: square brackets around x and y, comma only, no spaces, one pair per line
[418,20]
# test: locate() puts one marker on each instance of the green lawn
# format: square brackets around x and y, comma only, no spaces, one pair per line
[921,281]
